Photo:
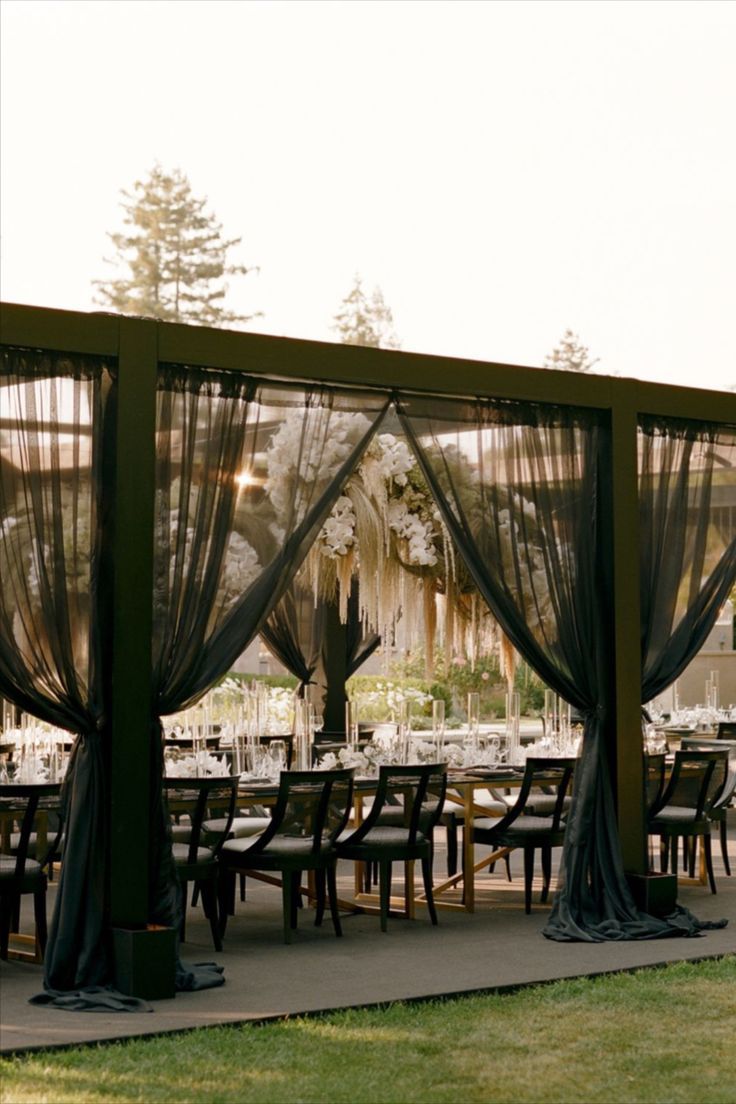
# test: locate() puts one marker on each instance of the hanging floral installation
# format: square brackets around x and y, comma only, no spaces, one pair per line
[385,530]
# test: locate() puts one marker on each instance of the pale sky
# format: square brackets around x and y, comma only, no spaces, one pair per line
[502,170]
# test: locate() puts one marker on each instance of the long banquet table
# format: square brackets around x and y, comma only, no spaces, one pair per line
[462,786]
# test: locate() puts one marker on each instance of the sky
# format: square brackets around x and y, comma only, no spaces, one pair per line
[503,171]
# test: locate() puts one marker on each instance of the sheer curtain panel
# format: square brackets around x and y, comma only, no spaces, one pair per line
[687,502]
[51,616]
[521,489]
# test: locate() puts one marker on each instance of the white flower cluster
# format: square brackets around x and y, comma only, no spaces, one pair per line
[393,458]
[338,532]
[310,445]
[240,569]
[419,534]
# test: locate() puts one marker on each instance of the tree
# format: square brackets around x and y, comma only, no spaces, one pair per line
[365,321]
[176,256]
[570,355]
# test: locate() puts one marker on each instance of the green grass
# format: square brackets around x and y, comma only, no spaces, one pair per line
[664,1035]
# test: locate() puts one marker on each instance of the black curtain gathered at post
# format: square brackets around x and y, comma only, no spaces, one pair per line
[247,472]
[520,490]
[687,541]
[295,632]
[52,615]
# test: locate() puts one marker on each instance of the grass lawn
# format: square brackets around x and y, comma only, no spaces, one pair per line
[657,1035]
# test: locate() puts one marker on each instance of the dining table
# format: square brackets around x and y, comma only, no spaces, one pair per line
[462,788]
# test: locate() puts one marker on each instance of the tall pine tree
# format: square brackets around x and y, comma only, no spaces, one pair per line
[365,321]
[570,355]
[175,255]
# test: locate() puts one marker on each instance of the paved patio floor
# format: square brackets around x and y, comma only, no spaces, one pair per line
[496,947]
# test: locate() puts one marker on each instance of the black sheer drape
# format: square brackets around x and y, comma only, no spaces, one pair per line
[361,642]
[520,491]
[295,634]
[246,475]
[687,502]
[51,616]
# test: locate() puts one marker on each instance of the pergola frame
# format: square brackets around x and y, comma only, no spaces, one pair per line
[139,345]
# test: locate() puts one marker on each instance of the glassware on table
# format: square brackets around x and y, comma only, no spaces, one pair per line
[473,720]
[351,724]
[276,760]
[438,726]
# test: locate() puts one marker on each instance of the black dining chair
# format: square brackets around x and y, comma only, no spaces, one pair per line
[399,827]
[726,730]
[683,811]
[25,871]
[195,847]
[312,809]
[519,828]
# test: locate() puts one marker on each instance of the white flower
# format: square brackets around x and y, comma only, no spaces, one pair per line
[338,532]
[418,534]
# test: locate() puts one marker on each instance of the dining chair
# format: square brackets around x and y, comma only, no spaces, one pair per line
[726,730]
[519,828]
[413,798]
[683,811]
[312,809]
[655,767]
[23,872]
[196,847]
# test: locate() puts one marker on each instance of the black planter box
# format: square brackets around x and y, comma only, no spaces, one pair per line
[654,893]
[145,961]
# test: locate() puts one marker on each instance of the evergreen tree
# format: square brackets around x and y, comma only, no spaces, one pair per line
[365,321]
[176,256]
[570,355]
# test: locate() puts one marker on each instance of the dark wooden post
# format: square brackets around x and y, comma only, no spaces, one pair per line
[130,719]
[335,670]
[627,761]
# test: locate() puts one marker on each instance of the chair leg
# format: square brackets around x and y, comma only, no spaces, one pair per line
[225,893]
[691,846]
[332,891]
[546,872]
[6,912]
[452,847]
[242,885]
[528,877]
[673,854]
[319,885]
[709,862]
[183,906]
[724,846]
[664,845]
[209,904]
[384,881]
[287,890]
[427,876]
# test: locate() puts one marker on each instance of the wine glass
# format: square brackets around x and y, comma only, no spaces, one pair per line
[276,758]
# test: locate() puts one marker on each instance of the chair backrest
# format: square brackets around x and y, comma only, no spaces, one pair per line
[726,730]
[29,800]
[654,772]
[417,788]
[204,798]
[311,805]
[551,771]
[697,781]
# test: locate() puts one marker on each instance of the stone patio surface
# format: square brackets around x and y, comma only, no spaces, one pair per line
[494,948]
